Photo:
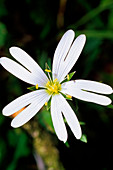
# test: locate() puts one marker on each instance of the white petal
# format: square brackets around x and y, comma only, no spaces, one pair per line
[84,95]
[71,57]
[93,86]
[57,119]
[31,110]
[70,117]
[18,71]
[61,52]
[21,102]
[22,57]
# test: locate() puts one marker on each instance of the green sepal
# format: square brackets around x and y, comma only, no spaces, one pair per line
[82,123]
[48,104]
[64,95]
[47,66]
[83,138]
[70,75]
[68,98]
[32,88]
[67,144]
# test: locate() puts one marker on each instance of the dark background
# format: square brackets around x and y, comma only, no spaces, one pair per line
[37,26]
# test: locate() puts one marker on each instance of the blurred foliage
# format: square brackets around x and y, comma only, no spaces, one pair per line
[37,26]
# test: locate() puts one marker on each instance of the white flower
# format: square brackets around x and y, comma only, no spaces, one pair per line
[66,54]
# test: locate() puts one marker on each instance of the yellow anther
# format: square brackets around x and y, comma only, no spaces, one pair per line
[45,103]
[68,96]
[55,80]
[36,86]
[68,77]
[47,70]
[53,87]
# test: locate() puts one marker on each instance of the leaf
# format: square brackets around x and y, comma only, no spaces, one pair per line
[2,118]
[110,106]
[97,34]
[83,138]
[92,14]
[3,34]
[20,141]
[3,9]
[46,121]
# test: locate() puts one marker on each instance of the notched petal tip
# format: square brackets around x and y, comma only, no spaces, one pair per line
[63,139]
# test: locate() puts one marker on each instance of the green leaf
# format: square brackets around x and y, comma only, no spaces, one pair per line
[110,106]
[48,105]
[83,138]
[20,141]
[45,120]
[3,34]
[92,14]
[96,34]
[3,9]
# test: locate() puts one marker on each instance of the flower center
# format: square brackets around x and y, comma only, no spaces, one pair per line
[53,87]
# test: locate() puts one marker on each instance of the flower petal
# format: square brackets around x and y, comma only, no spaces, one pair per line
[17,70]
[70,116]
[61,52]
[88,85]
[21,102]
[68,88]
[31,110]
[22,57]
[93,86]
[71,58]
[57,119]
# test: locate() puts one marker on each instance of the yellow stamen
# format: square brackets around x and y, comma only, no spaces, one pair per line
[68,77]
[47,70]
[36,86]
[68,96]
[53,87]
[45,103]
[55,80]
